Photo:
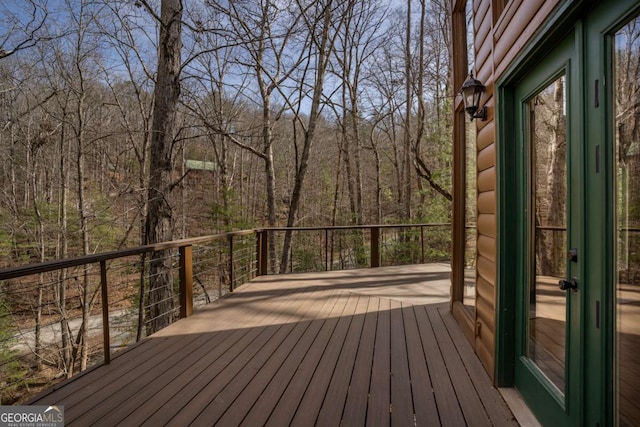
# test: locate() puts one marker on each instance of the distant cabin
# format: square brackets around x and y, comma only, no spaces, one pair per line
[200,165]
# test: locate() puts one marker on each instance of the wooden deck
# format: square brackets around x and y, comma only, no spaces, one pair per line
[363,347]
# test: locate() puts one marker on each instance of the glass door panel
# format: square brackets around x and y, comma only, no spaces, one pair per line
[471,193]
[627,140]
[546,344]
[471,213]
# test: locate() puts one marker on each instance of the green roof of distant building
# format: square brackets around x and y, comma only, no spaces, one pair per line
[200,165]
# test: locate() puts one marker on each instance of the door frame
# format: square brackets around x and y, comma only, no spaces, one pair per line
[600,27]
[597,301]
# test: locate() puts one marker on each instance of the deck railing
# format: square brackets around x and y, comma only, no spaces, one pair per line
[59,317]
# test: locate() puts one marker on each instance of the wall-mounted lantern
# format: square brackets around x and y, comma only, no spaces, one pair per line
[471,92]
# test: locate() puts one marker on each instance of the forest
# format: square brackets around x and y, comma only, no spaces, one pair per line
[126,123]
[130,122]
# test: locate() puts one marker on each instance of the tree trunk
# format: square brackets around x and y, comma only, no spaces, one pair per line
[347,166]
[270,172]
[376,154]
[63,252]
[323,54]
[557,177]
[406,162]
[347,118]
[159,224]
[41,258]
[84,228]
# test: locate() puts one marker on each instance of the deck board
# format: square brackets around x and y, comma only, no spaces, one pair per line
[333,404]
[180,405]
[470,403]
[236,411]
[96,407]
[498,413]
[278,382]
[285,409]
[379,407]
[204,404]
[402,408]
[355,410]
[316,390]
[426,411]
[447,401]
[326,349]
[144,350]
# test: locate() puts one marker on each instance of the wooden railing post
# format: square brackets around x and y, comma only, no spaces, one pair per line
[231,272]
[326,249]
[186,281]
[258,249]
[262,252]
[265,252]
[422,244]
[106,337]
[375,246]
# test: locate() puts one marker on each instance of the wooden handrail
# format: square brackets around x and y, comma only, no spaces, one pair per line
[43,267]
[355,227]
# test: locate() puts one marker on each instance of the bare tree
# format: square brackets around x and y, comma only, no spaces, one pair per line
[322,22]
[408,81]
[267,35]
[246,83]
[358,40]
[78,68]
[214,96]
[160,221]
[385,99]
[436,28]
[550,145]
[22,25]
[127,39]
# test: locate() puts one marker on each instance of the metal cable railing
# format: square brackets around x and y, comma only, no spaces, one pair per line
[59,317]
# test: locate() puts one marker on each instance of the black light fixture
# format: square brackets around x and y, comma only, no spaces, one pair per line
[471,92]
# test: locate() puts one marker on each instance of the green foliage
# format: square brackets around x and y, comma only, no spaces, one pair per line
[306,260]
[437,243]
[6,239]
[407,246]
[103,229]
[351,249]
[229,218]
[22,236]
[12,373]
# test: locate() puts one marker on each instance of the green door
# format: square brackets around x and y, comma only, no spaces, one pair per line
[625,135]
[612,301]
[549,148]
[574,214]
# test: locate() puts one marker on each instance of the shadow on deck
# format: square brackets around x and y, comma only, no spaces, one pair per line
[361,347]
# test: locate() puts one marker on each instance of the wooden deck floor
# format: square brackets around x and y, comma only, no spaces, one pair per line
[365,347]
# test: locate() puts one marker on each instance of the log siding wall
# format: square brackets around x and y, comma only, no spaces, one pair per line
[496,43]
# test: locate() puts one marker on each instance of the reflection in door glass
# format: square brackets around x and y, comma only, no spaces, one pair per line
[627,135]
[471,194]
[470,215]
[547,311]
